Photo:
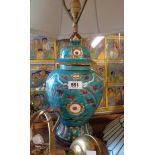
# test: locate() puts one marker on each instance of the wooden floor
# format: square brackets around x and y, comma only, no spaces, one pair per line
[98,123]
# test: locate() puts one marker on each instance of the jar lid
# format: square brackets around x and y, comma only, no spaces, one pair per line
[75,54]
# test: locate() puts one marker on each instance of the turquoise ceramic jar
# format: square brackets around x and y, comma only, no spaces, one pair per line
[75,90]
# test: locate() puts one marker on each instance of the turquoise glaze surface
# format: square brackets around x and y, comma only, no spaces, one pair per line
[75,91]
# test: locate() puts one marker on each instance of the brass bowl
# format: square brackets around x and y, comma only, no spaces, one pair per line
[85,143]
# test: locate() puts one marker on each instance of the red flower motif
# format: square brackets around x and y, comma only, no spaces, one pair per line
[60,92]
[89,101]
[86,77]
[94,88]
[71,97]
[84,91]
[64,77]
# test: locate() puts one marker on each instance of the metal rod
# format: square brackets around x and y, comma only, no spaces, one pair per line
[67,10]
[81,11]
[49,124]
[37,115]
[55,125]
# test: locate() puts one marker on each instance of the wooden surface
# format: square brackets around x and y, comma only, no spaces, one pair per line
[98,123]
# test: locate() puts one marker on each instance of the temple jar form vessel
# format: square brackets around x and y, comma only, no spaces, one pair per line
[75,91]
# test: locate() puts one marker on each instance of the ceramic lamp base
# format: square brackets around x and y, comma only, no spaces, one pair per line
[67,133]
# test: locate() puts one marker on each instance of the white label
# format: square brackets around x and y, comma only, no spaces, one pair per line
[74,84]
[91,153]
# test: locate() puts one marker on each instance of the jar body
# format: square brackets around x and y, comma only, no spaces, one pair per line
[75,91]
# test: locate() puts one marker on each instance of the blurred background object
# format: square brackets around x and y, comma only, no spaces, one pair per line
[114,136]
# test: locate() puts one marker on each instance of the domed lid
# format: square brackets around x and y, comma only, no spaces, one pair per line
[75,54]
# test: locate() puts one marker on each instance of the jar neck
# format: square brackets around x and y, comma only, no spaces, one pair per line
[65,67]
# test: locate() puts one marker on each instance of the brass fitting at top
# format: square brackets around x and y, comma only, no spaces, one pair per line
[75,9]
